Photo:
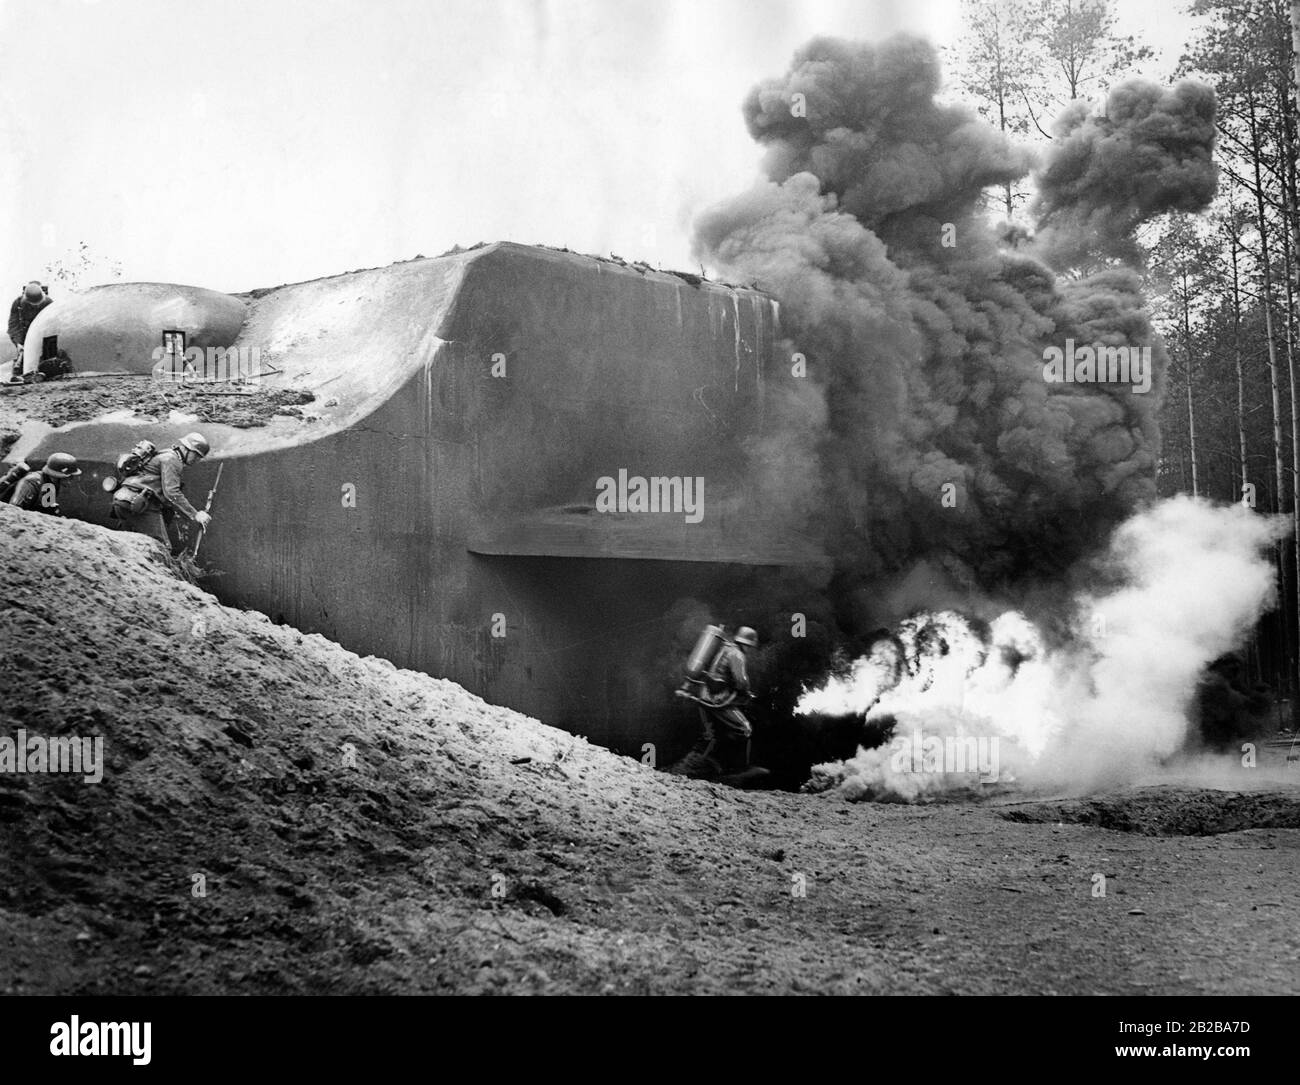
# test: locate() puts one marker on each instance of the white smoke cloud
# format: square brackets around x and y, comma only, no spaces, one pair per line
[1192,578]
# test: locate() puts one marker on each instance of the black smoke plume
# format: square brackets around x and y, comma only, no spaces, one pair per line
[1150,152]
[925,415]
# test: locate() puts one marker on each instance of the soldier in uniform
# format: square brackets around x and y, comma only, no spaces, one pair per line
[156,490]
[38,491]
[26,307]
[724,748]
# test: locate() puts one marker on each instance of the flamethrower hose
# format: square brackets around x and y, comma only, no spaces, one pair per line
[732,699]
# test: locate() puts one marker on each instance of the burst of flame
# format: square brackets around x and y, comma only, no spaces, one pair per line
[1109,705]
[941,675]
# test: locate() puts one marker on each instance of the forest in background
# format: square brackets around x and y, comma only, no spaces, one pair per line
[1222,284]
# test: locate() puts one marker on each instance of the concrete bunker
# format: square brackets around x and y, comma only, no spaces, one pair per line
[130,328]
[442,509]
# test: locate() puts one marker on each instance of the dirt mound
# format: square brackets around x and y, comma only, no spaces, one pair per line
[58,403]
[277,766]
[1171,811]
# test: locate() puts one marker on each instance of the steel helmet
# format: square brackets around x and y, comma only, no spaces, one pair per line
[33,292]
[196,443]
[745,635]
[61,465]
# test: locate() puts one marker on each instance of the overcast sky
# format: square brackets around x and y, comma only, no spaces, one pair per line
[243,143]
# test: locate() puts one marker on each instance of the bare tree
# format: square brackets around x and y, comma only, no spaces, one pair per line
[1081,53]
[997,65]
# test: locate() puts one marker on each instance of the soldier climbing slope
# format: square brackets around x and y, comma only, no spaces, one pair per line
[148,498]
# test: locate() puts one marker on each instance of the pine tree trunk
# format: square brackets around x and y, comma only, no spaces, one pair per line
[1002,105]
[1295,47]
[1237,357]
[1290,113]
[1267,303]
[1253,655]
[1191,411]
[1288,591]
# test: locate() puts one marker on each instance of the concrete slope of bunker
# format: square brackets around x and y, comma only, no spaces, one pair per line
[441,510]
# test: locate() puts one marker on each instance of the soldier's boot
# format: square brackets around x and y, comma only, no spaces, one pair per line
[701,763]
[733,755]
[737,771]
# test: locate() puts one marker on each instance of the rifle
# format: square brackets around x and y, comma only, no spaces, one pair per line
[212,493]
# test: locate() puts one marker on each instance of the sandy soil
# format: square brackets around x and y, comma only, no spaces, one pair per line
[364,829]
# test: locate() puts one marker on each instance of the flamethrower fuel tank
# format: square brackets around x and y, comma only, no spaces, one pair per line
[705,652]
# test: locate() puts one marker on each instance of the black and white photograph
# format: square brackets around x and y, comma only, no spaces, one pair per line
[650,498]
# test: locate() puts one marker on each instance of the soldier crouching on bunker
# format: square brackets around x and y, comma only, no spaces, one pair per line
[718,681]
[26,307]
